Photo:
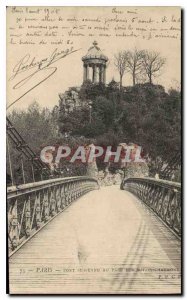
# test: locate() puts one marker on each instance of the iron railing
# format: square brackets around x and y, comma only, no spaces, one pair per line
[31,206]
[163,197]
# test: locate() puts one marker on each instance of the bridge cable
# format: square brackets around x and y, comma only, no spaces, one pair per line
[32,172]
[22,146]
[22,167]
[9,159]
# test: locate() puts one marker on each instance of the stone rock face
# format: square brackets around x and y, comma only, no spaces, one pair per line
[107,178]
[70,100]
[92,170]
[134,169]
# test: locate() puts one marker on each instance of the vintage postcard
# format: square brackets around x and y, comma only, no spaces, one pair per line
[94,150]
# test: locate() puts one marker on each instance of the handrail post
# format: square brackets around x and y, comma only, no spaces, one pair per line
[28,216]
[38,211]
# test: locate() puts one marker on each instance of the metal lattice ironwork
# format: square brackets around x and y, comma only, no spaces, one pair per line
[163,197]
[31,206]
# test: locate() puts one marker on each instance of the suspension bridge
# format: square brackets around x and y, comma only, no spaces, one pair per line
[71,236]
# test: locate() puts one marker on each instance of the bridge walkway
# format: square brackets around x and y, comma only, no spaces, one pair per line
[106,242]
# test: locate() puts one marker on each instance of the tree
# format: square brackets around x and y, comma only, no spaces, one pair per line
[152,64]
[143,114]
[38,127]
[104,110]
[113,86]
[134,63]
[89,90]
[121,62]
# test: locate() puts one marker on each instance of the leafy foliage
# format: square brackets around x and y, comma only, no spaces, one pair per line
[38,128]
[144,114]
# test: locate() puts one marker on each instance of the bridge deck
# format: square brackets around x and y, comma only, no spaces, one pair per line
[105,242]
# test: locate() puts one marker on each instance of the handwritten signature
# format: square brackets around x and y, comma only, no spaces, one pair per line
[28,63]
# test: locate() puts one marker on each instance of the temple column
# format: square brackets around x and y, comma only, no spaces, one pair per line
[101,73]
[98,73]
[104,74]
[85,73]
[92,68]
[94,73]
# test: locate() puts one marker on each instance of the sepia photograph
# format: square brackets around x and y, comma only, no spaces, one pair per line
[93,150]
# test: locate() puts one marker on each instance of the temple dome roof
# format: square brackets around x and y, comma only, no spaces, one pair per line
[95,52]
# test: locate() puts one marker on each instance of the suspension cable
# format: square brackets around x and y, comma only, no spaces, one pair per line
[22,167]
[10,163]
[33,176]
